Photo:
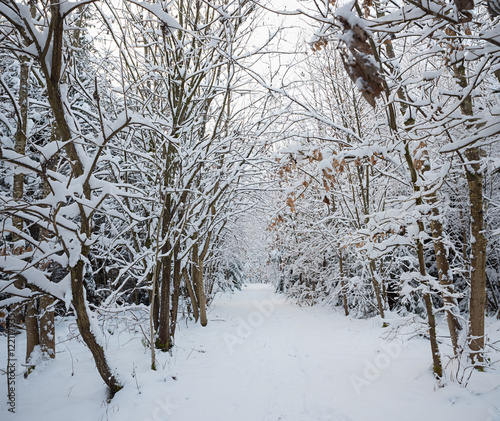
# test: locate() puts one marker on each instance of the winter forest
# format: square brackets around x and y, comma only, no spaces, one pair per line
[250,210]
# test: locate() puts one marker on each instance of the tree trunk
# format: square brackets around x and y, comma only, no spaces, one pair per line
[154,299]
[478,258]
[21,133]
[175,292]
[445,277]
[342,284]
[163,341]
[437,368]
[46,311]
[376,289]
[52,65]
[202,295]
[47,326]
[52,74]
[31,323]
[82,319]
[465,255]
[198,283]
[436,359]
[416,188]
[475,180]
[431,319]
[192,296]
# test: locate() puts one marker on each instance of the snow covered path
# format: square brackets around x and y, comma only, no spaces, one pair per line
[260,359]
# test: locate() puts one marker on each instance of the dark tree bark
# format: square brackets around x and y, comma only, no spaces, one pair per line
[175,292]
[478,258]
[431,319]
[445,277]
[82,319]
[47,326]
[475,181]
[192,296]
[31,323]
[376,289]
[52,75]
[163,341]
[343,284]
[197,276]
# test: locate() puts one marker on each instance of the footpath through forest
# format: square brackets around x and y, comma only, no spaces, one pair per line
[261,358]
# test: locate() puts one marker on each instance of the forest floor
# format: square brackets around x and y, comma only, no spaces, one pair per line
[261,358]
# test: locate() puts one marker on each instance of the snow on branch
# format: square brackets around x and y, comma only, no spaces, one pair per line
[157,10]
[35,276]
[66,7]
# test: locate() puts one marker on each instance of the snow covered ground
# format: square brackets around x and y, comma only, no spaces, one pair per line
[259,359]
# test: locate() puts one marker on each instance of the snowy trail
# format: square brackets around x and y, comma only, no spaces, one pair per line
[267,368]
[263,358]
[259,359]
